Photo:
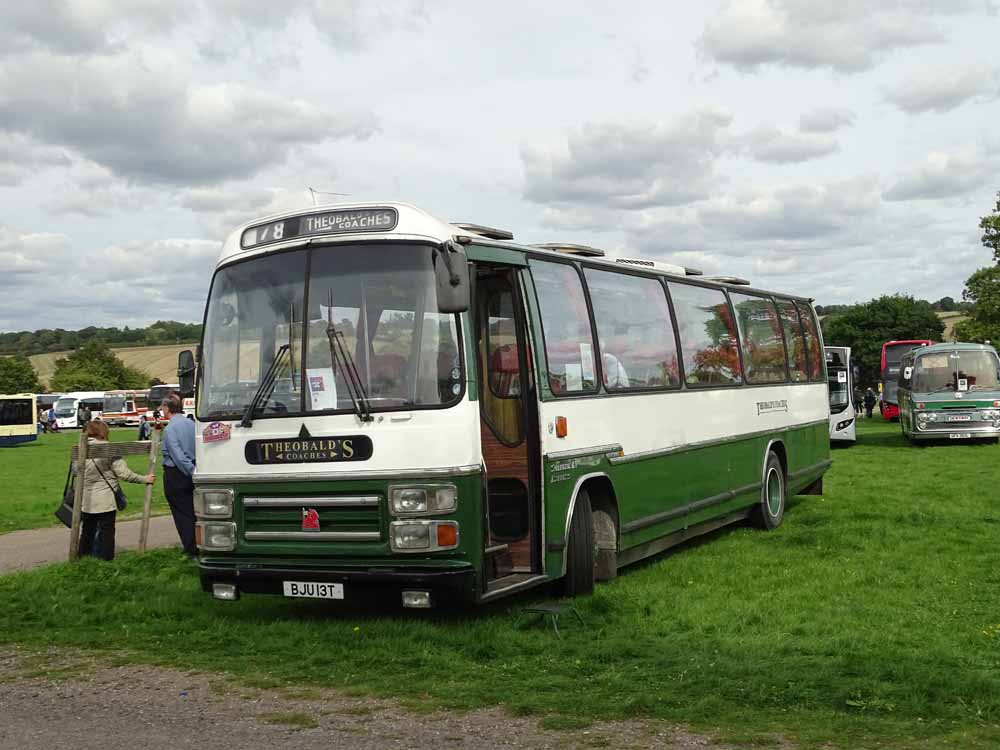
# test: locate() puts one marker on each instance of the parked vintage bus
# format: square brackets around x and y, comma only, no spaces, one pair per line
[843,409]
[390,402]
[67,405]
[892,353]
[18,419]
[124,407]
[156,395]
[950,391]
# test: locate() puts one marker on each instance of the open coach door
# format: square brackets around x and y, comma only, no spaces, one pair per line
[512,553]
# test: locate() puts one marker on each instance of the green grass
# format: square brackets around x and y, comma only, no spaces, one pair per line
[871,618]
[32,478]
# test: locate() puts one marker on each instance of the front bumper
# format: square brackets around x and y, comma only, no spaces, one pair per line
[382,584]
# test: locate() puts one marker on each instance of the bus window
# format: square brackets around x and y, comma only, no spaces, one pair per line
[815,357]
[795,345]
[566,327]
[635,332]
[760,334]
[708,336]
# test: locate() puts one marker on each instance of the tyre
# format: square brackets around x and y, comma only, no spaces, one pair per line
[769,512]
[605,546]
[579,578]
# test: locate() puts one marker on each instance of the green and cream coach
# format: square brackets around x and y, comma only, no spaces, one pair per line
[388,402]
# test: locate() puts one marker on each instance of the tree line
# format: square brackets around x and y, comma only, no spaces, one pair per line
[47,340]
[92,367]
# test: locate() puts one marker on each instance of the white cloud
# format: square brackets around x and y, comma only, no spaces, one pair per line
[946,175]
[629,166]
[848,36]
[942,90]
[769,144]
[826,120]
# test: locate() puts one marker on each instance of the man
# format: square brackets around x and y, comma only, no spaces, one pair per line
[869,402]
[144,428]
[51,416]
[178,469]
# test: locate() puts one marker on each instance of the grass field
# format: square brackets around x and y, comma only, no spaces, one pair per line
[157,361]
[871,618]
[32,478]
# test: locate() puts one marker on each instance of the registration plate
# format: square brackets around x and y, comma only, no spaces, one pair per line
[960,435]
[959,418]
[311,590]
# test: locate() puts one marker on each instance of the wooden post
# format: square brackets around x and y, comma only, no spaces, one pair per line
[81,471]
[147,505]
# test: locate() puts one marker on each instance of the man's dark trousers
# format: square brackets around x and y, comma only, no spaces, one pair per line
[179,489]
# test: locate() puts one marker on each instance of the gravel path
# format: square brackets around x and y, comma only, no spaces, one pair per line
[24,550]
[69,702]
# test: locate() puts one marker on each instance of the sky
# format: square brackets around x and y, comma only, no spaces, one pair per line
[836,150]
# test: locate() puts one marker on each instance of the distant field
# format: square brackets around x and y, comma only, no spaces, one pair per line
[950,320]
[159,361]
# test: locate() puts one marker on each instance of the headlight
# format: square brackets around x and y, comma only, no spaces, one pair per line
[423,536]
[213,503]
[216,536]
[422,500]
[990,414]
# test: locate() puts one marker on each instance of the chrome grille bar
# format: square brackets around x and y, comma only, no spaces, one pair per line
[312,536]
[364,501]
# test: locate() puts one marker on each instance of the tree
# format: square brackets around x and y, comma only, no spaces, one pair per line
[94,367]
[867,326]
[945,304]
[18,376]
[982,290]
[991,230]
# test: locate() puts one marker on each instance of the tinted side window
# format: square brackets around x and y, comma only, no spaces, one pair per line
[708,336]
[794,343]
[635,334]
[814,358]
[569,347]
[760,334]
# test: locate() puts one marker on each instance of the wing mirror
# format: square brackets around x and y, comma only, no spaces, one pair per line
[185,372]
[451,273]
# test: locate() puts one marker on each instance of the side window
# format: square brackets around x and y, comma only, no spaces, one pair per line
[566,326]
[708,336]
[760,334]
[635,333]
[814,358]
[795,345]
[503,366]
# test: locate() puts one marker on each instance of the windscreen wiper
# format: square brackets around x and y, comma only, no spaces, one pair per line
[266,387]
[341,356]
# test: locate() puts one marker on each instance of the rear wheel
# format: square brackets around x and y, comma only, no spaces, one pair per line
[770,511]
[579,577]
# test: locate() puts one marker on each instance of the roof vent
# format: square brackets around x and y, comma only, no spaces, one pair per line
[732,280]
[584,251]
[659,265]
[488,232]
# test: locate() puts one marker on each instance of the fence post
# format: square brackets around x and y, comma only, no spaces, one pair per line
[147,504]
[81,472]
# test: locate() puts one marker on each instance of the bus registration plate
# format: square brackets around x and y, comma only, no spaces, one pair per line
[311,590]
[959,435]
[959,418]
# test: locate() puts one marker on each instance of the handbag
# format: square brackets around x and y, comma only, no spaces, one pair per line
[121,500]
[65,510]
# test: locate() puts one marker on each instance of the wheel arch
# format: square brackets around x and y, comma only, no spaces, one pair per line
[777,446]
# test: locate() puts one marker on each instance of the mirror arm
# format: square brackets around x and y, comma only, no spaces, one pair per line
[445,252]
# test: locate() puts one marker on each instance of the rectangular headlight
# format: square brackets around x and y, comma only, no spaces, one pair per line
[423,536]
[422,500]
[217,536]
[213,503]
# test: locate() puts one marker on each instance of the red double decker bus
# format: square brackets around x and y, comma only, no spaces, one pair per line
[892,353]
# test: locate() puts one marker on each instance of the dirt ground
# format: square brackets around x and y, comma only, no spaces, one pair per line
[61,701]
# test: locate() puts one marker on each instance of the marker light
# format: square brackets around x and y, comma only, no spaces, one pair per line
[562,428]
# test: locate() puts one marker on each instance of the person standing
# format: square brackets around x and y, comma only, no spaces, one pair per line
[101,477]
[178,470]
[144,428]
[869,402]
[51,417]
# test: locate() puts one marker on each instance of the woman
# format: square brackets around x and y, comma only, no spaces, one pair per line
[98,510]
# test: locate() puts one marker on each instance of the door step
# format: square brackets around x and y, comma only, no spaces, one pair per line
[511,583]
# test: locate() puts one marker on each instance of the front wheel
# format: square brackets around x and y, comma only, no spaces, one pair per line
[579,579]
[770,511]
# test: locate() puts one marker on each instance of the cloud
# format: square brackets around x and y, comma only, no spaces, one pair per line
[826,120]
[21,157]
[629,166]
[943,175]
[139,119]
[936,90]
[771,145]
[847,36]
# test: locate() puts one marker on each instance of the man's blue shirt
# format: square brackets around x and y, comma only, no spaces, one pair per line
[178,444]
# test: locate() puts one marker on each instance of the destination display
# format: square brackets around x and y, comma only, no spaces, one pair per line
[308,450]
[324,222]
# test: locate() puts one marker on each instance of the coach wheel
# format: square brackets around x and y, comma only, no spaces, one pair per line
[769,512]
[579,578]
[605,546]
